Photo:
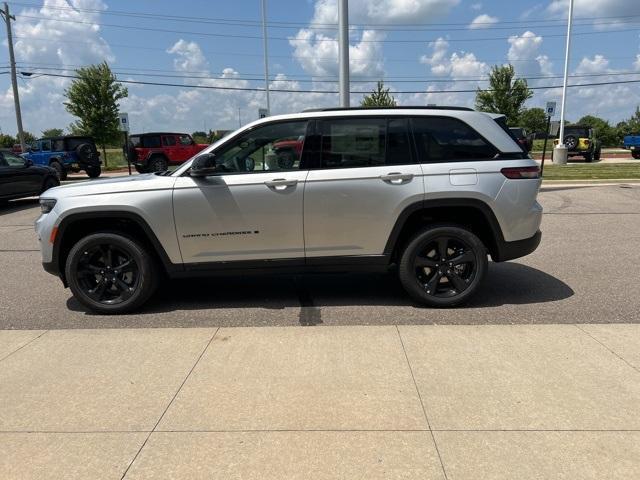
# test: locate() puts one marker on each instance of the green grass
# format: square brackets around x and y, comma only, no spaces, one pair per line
[598,171]
[115,159]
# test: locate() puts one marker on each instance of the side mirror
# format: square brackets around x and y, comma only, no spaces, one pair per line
[203,165]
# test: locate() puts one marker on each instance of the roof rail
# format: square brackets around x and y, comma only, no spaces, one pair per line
[412,107]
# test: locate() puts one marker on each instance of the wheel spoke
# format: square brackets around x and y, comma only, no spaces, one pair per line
[422,262]
[433,282]
[125,264]
[124,288]
[98,292]
[465,257]
[458,283]
[442,247]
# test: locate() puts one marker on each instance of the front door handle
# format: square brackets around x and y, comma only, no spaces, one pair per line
[280,183]
[397,178]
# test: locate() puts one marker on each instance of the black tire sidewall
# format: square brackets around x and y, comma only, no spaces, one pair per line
[406,269]
[158,164]
[60,170]
[48,183]
[146,266]
[94,172]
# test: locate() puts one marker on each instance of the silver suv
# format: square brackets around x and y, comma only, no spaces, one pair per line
[428,191]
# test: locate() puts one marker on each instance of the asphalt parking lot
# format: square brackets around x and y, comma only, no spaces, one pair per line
[587,270]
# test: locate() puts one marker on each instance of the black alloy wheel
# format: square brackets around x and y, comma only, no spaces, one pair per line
[110,273]
[571,142]
[443,266]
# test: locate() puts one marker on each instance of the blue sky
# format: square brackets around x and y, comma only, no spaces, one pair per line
[431,48]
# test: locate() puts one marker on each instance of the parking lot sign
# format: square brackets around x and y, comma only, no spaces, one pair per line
[123,122]
[263,112]
[551,108]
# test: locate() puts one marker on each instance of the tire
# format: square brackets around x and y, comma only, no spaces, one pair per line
[48,183]
[421,269]
[571,142]
[86,153]
[140,169]
[94,172]
[588,157]
[61,172]
[635,155]
[158,164]
[286,159]
[94,272]
[597,154]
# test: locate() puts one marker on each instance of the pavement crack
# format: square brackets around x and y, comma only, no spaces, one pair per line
[607,347]
[21,347]
[170,403]
[424,410]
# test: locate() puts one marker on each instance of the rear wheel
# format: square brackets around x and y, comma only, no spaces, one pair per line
[110,273]
[158,164]
[588,157]
[596,155]
[443,266]
[140,169]
[61,172]
[635,154]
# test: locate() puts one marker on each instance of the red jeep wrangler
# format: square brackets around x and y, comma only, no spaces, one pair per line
[154,152]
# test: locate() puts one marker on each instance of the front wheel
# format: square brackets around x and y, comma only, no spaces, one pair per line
[443,266]
[635,154]
[110,273]
[49,182]
[61,172]
[158,164]
[94,172]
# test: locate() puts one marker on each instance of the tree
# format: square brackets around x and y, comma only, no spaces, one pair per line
[28,137]
[53,132]
[7,141]
[506,94]
[533,120]
[199,136]
[93,98]
[379,97]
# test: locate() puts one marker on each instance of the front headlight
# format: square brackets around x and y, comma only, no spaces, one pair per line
[47,204]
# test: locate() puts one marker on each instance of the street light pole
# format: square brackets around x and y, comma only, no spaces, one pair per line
[14,79]
[343,53]
[560,152]
[266,55]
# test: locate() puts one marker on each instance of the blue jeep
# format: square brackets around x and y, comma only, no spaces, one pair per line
[632,142]
[66,154]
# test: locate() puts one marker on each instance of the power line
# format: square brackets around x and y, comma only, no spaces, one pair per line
[286,24]
[299,39]
[282,90]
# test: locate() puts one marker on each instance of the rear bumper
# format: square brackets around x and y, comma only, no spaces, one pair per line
[520,248]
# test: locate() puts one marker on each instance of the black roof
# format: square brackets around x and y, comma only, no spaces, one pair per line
[412,107]
[156,133]
[64,137]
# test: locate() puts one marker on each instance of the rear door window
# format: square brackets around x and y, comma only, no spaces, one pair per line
[445,139]
[169,141]
[152,141]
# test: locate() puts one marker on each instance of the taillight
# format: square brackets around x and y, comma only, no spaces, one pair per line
[521,172]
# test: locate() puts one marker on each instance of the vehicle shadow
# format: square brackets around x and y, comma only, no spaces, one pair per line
[250,298]
[15,206]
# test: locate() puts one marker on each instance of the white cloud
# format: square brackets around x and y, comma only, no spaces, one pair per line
[636,64]
[457,65]
[483,21]
[595,8]
[47,41]
[524,55]
[597,64]
[384,11]
[189,57]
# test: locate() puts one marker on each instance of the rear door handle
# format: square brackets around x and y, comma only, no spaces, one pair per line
[280,183]
[397,178]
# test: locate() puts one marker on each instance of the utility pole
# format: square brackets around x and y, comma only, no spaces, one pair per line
[14,79]
[343,54]
[560,152]
[266,54]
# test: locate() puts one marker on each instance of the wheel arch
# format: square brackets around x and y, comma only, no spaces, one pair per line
[470,213]
[132,225]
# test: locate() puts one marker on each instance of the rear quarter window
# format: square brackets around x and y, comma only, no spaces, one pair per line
[151,141]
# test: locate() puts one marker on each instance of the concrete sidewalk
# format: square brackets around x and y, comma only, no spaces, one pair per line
[423,402]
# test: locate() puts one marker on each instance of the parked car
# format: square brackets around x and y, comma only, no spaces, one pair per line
[154,152]
[632,142]
[70,153]
[20,178]
[582,141]
[525,140]
[16,148]
[356,198]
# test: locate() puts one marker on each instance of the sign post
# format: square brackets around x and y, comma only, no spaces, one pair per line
[123,120]
[551,110]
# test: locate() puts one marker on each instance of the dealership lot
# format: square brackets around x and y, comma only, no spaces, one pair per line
[585,271]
